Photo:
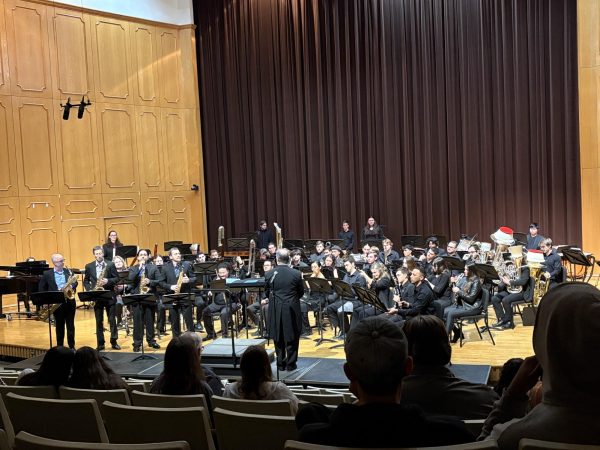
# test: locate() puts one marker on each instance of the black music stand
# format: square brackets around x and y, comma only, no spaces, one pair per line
[237,244]
[416,240]
[370,298]
[178,300]
[487,272]
[127,251]
[170,244]
[101,296]
[48,298]
[328,272]
[220,286]
[293,243]
[454,264]
[140,299]
[344,291]
[206,268]
[320,286]
[575,257]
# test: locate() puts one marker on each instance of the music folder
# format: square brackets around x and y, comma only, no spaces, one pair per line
[48,298]
[319,285]
[369,298]
[342,289]
[95,296]
[141,299]
[178,299]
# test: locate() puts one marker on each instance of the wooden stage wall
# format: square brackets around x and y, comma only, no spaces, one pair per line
[128,164]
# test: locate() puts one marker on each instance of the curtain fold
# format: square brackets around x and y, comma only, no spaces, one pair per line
[447,117]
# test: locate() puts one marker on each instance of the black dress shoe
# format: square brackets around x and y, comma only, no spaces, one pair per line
[137,349]
[116,346]
[100,348]
[199,327]
[209,337]
[153,345]
[224,336]
[508,326]
[291,368]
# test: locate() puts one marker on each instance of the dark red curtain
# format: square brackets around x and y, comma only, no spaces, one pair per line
[434,116]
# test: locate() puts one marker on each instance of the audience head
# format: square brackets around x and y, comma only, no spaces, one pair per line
[91,372]
[182,373]
[508,372]
[427,341]
[376,359]
[194,339]
[256,369]
[54,370]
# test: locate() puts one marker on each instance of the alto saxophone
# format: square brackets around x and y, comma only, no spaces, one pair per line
[144,288]
[98,286]
[68,292]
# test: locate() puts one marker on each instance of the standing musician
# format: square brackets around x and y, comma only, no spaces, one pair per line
[504,300]
[554,268]
[263,235]
[56,280]
[161,308]
[102,275]
[533,238]
[348,236]
[174,271]
[372,230]
[220,304]
[440,284]
[120,290]
[285,287]
[388,255]
[111,245]
[143,315]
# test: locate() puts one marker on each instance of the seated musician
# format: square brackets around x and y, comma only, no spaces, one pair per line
[178,278]
[472,254]
[257,311]
[348,236]
[432,242]
[102,275]
[64,316]
[214,255]
[297,262]
[110,246]
[503,300]
[313,302]
[372,230]
[318,255]
[366,249]
[272,248]
[328,267]
[426,260]
[388,255]
[407,256]
[371,259]
[380,285]
[144,275]
[423,297]
[120,289]
[451,250]
[440,284]
[552,263]
[336,253]
[404,291]
[222,303]
[467,301]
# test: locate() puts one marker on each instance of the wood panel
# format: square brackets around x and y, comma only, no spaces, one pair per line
[144,48]
[35,146]
[154,219]
[121,205]
[40,225]
[189,69]
[4,70]
[113,71]
[10,231]
[129,229]
[29,55]
[116,133]
[79,238]
[170,67]
[179,216]
[71,54]
[80,207]
[589,126]
[588,42]
[8,163]
[150,145]
[78,160]
[176,148]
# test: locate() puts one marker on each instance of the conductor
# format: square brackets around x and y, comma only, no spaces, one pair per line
[284,288]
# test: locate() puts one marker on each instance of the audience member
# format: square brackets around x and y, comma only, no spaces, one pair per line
[432,385]
[54,370]
[257,380]
[213,380]
[508,372]
[91,372]
[377,361]
[564,342]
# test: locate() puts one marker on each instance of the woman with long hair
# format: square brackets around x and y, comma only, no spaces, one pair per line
[257,380]
[91,372]
[54,370]
[372,230]
[440,284]
[111,244]
[467,300]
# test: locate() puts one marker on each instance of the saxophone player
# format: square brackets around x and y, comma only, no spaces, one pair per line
[102,275]
[144,276]
[56,280]
[178,277]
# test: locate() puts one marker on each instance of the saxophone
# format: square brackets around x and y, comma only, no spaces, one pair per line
[144,289]
[69,293]
[98,286]
[180,280]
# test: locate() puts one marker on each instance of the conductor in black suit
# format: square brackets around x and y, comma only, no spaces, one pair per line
[92,281]
[285,288]
[171,272]
[55,280]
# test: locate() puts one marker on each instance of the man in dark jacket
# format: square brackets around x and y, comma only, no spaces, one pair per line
[377,361]
[285,288]
[263,236]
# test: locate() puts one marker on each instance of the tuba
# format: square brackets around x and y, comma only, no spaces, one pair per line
[251,258]
[541,285]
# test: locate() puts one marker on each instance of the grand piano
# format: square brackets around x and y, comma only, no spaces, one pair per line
[23,279]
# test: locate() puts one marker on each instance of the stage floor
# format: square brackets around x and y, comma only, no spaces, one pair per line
[33,334]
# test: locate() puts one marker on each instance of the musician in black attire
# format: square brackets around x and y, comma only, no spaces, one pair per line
[388,255]
[423,297]
[426,260]
[170,276]
[552,263]
[55,280]
[257,311]
[372,230]
[297,262]
[451,250]
[111,245]
[224,303]
[91,280]
[143,315]
[533,238]
[404,291]
[334,311]
[440,284]
[272,248]
[380,285]
[263,235]
[284,287]
[467,300]
[348,236]
[319,253]
[503,303]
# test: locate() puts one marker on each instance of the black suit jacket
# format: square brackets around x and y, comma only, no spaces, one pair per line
[423,301]
[285,288]
[47,282]
[108,251]
[152,273]
[169,278]
[90,279]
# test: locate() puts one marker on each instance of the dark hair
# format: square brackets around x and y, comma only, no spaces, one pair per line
[345,221]
[256,370]
[91,372]
[428,341]
[262,222]
[422,270]
[54,370]
[143,250]
[435,250]
[109,242]
[182,373]
[97,247]
[350,259]
[470,265]
[439,265]
[223,266]
[295,252]
[508,372]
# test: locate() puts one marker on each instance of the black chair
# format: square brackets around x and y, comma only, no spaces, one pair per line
[482,314]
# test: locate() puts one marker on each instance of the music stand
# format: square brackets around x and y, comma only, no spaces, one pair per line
[416,240]
[48,298]
[520,238]
[293,243]
[177,300]
[454,264]
[237,244]
[170,244]
[487,272]
[344,291]
[220,286]
[206,268]
[369,298]
[140,299]
[127,251]
[101,296]
[576,257]
[320,286]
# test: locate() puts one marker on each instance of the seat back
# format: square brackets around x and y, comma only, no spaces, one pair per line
[265,407]
[130,425]
[168,401]
[333,399]
[74,420]
[481,445]
[30,391]
[253,430]
[111,395]
[26,441]
[535,444]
